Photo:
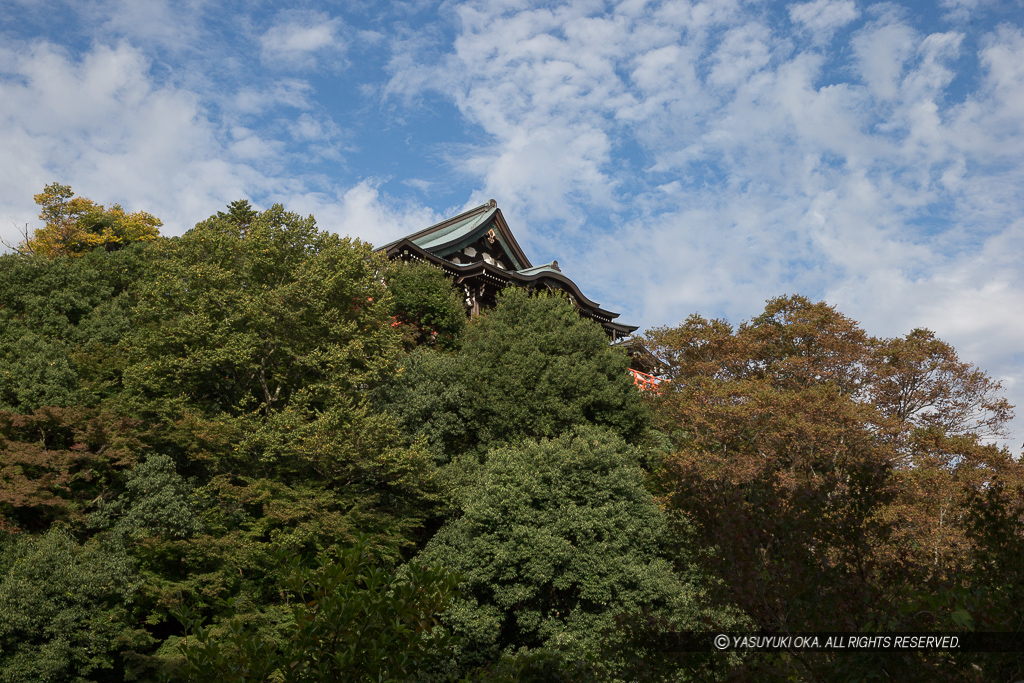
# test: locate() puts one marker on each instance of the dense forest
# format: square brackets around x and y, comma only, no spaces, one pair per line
[261,452]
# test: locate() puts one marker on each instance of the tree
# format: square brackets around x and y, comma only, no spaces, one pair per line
[540,369]
[352,620]
[65,610]
[427,307]
[919,381]
[248,363]
[258,348]
[831,470]
[240,213]
[555,538]
[430,400]
[76,225]
[60,324]
[994,589]
[157,503]
[57,460]
[529,368]
[251,321]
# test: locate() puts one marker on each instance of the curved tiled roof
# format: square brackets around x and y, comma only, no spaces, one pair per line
[447,236]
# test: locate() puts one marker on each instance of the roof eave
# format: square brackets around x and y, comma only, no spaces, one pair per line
[406,247]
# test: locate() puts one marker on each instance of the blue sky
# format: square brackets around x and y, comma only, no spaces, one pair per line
[674,156]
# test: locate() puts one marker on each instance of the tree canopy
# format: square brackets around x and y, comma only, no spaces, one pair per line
[427,308]
[531,367]
[555,538]
[76,225]
[836,473]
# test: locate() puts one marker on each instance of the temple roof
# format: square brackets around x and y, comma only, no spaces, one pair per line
[454,234]
[476,247]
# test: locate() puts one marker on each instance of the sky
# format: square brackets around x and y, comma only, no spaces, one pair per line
[676,157]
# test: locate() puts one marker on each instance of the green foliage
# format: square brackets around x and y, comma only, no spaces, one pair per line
[61,321]
[430,398]
[556,537]
[44,375]
[352,620]
[538,369]
[240,213]
[427,307]
[243,351]
[536,666]
[65,610]
[250,322]
[991,591]
[532,368]
[254,349]
[157,502]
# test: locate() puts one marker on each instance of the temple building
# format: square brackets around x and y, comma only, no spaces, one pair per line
[481,255]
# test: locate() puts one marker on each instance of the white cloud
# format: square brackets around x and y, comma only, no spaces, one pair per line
[365,213]
[176,27]
[361,211]
[298,39]
[102,125]
[307,128]
[882,51]
[742,52]
[963,11]
[287,92]
[822,17]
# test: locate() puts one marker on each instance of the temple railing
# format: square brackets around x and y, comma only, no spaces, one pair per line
[644,381]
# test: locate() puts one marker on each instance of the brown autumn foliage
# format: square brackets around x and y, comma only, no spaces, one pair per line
[920,382]
[53,460]
[834,475]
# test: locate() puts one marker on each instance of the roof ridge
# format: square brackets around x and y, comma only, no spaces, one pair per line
[483,208]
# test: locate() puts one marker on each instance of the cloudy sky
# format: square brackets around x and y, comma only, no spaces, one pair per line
[674,156]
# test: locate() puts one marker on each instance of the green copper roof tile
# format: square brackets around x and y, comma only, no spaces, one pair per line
[548,267]
[455,231]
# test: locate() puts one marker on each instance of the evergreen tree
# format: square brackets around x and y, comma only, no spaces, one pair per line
[555,538]
[427,308]
[352,619]
[66,610]
[529,368]
[240,213]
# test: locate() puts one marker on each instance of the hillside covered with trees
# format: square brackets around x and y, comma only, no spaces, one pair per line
[259,451]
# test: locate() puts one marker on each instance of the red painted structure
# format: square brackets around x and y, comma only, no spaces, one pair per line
[644,381]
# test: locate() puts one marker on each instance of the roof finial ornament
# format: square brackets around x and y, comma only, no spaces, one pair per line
[492,203]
